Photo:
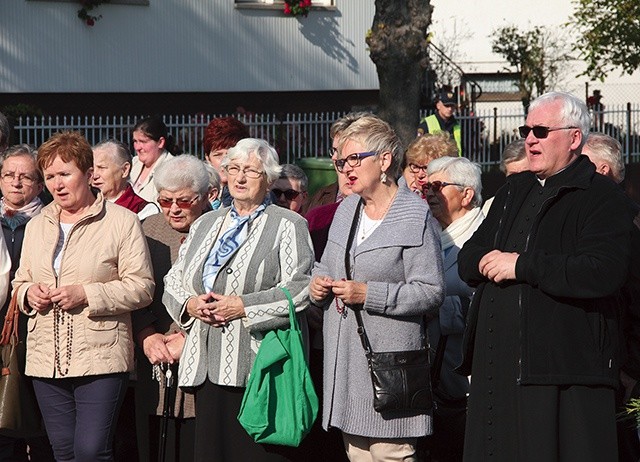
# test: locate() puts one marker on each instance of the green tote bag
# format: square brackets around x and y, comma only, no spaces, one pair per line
[280,404]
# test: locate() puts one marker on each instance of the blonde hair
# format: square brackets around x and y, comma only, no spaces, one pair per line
[374,134]
[431,147]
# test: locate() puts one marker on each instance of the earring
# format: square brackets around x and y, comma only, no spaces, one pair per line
[383,177]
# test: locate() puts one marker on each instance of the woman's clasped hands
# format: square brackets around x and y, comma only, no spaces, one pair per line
[349,292]
[216,309]
[41,298]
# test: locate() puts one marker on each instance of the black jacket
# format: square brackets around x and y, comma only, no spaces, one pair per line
[569,275]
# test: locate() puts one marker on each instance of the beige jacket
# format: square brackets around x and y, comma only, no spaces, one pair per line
[107,253]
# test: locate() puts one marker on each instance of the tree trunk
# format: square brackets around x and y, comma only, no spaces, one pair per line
[398,48]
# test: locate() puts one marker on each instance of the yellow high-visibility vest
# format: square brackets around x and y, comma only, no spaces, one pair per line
[433,126]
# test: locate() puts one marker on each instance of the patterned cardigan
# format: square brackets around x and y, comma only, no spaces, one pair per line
[277,253]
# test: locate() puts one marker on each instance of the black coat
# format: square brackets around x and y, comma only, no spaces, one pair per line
[569,275]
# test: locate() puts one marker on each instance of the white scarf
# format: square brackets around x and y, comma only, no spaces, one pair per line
[460,230]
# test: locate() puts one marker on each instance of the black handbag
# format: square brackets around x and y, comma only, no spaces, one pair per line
[401,379]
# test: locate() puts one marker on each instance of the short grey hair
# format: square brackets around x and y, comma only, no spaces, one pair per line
[214,176]
[513,152]
[183,172]
[293,172]
[119,151]
[5,132]
[462,171]
[609,150]
[376,135]
[23,150]
[574,111]
[263,151]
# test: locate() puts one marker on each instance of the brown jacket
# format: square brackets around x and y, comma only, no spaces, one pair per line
[107,253]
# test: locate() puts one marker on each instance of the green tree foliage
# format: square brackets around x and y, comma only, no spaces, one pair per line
[608,35]
[536,54]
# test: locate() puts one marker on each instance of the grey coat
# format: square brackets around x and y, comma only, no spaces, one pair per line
[401,264]
[277,253]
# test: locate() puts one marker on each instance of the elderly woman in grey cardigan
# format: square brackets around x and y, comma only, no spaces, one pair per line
[396,280]
[224,291]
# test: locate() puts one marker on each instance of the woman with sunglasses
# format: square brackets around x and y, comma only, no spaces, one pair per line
[420,152]
[454,195]
[290,190]
[183,185]
[224,291]
[395,279]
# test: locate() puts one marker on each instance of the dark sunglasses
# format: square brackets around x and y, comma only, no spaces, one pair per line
[353,160]
[182,203]
[539,131]
[436,186]
[289,194]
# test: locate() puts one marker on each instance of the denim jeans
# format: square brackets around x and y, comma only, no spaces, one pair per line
[80,414]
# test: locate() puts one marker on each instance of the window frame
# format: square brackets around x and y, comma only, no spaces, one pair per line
[110,2]
[325,5]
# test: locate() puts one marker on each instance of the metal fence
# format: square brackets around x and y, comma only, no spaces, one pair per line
[485,132]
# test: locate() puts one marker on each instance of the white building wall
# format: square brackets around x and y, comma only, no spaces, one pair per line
[183,46]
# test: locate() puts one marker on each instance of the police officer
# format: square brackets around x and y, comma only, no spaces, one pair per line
[443,119]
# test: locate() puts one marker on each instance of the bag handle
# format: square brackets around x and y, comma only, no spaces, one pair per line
[10,326]
[362,333]
[437,362]
[293,320]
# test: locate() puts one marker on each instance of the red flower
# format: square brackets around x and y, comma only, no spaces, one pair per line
[287,8]
[90,22]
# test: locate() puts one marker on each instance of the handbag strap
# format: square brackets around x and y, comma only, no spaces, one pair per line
[293,320]
[352,234]
[10,326]
[437,361]
[362,333]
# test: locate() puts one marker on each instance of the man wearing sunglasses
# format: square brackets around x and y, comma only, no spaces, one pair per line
[443,120]
[548,263]
[290,190]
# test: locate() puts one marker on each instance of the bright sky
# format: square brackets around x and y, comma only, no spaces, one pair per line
[474,20]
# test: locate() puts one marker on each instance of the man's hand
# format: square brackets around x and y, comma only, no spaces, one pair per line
[499,266]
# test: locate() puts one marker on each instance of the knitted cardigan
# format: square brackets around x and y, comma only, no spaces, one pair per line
[277,253]
[401,263]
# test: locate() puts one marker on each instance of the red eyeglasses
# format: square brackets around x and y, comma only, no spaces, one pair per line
[182,203]
[436,186]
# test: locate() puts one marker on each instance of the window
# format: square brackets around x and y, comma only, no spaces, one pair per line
[278,4]
[114,2]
